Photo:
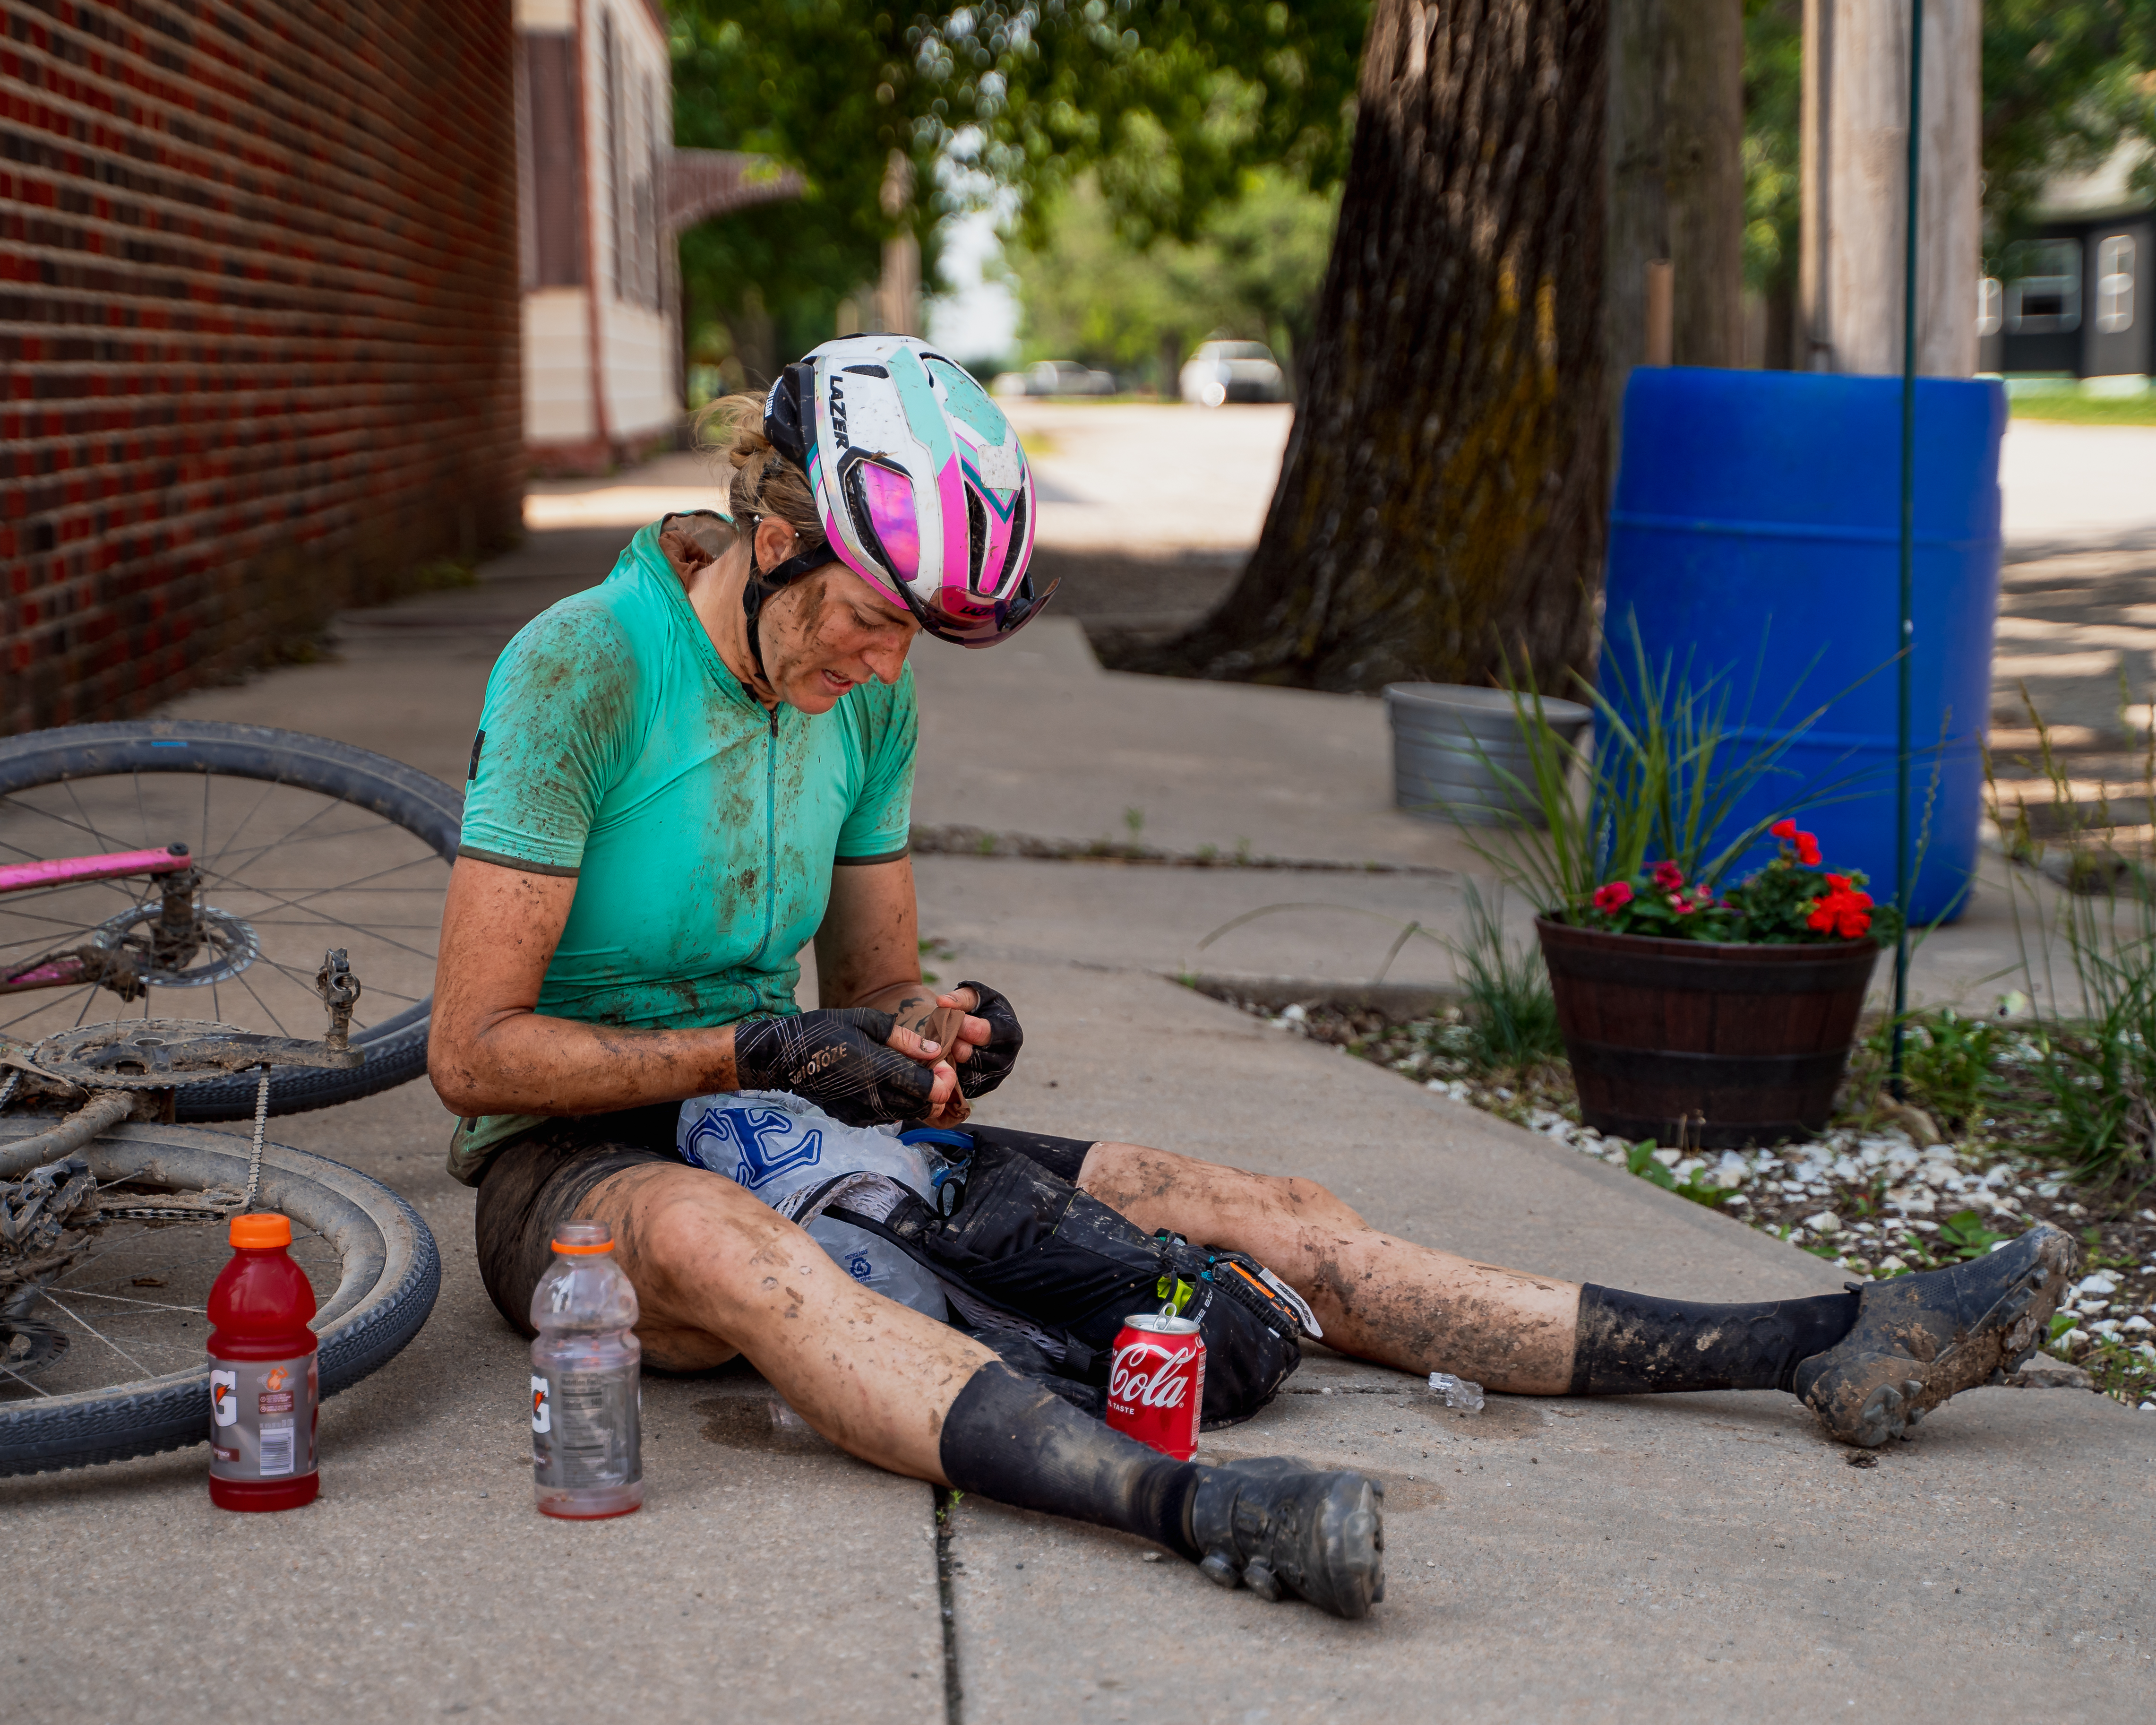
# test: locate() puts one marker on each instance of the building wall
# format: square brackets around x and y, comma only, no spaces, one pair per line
[594,225]
[259,329]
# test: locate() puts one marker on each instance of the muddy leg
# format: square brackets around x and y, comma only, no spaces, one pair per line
[717,1273]
[1378,1297]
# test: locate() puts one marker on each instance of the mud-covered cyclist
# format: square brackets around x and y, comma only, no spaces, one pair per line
[687,773]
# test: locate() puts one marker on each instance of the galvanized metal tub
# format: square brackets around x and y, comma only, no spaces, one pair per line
[1447,740]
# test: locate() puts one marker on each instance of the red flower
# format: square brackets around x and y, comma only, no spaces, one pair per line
[1808,850]
[1784,830]
[1667,875]
[1677,904]
[1841,910]
[1612,897]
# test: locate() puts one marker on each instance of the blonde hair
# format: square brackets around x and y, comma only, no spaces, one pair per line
[763,481]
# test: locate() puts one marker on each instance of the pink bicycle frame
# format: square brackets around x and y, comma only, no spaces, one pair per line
[60,970]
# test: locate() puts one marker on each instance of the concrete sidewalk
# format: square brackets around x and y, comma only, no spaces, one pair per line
[1687,1557]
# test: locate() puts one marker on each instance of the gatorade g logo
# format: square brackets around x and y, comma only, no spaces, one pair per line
[542,1411]
[224,1397]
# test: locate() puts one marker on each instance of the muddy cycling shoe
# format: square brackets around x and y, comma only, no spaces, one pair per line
[1280,1525]
[1919,1339]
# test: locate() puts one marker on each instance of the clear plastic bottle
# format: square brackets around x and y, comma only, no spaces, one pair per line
[587,1401]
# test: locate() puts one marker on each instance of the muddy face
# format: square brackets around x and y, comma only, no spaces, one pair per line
[827,631]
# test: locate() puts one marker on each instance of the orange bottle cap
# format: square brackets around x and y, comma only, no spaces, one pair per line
[577,1239]
[261,1231]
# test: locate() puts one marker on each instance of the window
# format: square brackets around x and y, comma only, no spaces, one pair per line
[2044,287]
[1990,305]
[2114,283]
[555,235]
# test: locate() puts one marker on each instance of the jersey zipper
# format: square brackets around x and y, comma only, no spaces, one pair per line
[770,832]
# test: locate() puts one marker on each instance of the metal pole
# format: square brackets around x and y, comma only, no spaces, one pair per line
[1901,860]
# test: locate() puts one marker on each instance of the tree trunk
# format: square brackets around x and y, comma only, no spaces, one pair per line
[1440,503]
[1677,160]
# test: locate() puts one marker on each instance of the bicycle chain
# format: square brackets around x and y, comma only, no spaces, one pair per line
[254,1154]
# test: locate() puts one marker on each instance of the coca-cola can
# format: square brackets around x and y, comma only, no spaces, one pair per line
[1157,1385]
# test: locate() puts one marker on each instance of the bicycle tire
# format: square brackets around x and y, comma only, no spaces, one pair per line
[392,1272]
[396,1048]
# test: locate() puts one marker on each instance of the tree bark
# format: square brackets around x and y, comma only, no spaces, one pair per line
[1439,508]
[1676,174]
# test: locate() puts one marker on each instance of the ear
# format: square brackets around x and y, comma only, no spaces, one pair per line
[775,542]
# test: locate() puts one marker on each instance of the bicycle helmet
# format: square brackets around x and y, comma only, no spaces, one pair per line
[919,479]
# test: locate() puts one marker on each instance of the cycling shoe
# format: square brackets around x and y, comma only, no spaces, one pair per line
[1277,1525]
[1919,1339]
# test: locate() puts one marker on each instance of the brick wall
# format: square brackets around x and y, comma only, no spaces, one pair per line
[258,328]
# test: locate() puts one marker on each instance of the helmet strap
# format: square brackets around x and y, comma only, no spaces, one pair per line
[760,587]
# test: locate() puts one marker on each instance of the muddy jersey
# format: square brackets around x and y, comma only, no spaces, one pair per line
[615,747]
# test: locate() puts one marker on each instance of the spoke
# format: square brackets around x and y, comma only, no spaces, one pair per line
[154,1305]
[367,930]
[25,1382]
[323,919]
[94,830]
[292,839]
[141,808]
[305,979]
[98,1334]
[88,995]
[324,891]
[37,814]
[263,1003]
[116,883]
[209,862]
[52,921]
[356,884]
[286,837]
[45,1006]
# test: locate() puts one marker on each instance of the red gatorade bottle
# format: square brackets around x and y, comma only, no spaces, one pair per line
[262,1377]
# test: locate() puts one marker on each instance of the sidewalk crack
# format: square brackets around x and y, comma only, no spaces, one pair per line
[947,1504]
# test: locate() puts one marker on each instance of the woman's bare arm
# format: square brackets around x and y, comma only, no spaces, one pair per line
[490,1051]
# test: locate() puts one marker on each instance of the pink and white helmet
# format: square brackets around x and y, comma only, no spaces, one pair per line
[923,490]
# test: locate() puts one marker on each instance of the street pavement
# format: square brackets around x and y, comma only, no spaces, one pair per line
[1681,1558]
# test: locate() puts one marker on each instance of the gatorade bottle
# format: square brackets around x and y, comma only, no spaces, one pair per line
[263,1384]
[587,1401]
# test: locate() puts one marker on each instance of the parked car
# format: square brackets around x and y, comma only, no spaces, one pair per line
[1066,376]
[1231,371]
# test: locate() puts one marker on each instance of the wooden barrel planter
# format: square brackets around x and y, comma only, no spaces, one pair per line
[1702,1044]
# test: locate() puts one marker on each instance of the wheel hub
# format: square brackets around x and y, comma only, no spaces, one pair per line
[223,946]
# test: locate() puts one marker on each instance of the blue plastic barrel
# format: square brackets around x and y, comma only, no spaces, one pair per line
[1757,531]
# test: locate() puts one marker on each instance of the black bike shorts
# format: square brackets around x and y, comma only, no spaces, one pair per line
[542,1177]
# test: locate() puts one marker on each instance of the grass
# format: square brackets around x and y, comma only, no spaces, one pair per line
[2068,406]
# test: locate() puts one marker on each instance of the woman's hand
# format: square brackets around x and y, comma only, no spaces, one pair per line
[857,1064]
[988,1038]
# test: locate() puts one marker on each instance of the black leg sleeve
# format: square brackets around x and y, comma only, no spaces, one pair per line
[1009,1439]
[1629,1344]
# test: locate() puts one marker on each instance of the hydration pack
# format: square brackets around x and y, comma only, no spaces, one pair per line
[1045,1275]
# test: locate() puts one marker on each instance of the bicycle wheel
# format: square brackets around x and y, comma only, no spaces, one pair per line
[301,844]
[119,1368]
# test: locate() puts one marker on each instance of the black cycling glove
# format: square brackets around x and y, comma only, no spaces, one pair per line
[836,1059]
[990,1063]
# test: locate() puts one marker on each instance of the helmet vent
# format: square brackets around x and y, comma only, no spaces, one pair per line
[867,372]
[1017,543]
[977,528]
